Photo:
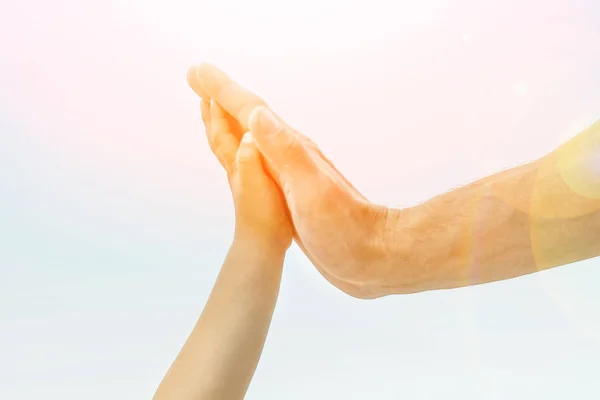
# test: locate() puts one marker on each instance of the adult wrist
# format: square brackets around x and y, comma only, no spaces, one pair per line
[371,270]
[398,258]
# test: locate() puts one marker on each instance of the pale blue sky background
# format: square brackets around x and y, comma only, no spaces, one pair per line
[115,218]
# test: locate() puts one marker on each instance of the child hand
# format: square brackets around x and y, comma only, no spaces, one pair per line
[261,214]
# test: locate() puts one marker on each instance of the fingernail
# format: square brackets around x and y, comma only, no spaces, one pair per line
[247,138]
[264,121]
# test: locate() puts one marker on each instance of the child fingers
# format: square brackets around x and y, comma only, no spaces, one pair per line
[218,120]
[205,112]
[222,141]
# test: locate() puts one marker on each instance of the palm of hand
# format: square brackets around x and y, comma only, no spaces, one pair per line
[335,224]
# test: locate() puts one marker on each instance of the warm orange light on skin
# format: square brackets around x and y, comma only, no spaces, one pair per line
[529,218]
[578,162]
[560,195]
[503,226]
[567,197]
[564,184]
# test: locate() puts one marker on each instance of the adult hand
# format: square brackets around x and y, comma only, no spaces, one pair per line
[339,230]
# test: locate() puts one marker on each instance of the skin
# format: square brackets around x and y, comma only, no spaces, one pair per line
[220,356]
[536,216]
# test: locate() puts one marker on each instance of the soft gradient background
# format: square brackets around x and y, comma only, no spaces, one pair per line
[115,217]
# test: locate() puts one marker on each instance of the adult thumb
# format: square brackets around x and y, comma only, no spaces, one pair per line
[279,144]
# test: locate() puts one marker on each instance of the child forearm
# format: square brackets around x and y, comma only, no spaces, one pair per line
[220,356]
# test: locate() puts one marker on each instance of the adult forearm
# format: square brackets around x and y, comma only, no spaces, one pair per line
[533,217]
[221,355]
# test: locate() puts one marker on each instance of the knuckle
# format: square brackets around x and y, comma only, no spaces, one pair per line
[216,144]
[232,173]
[211,142]
[294,150]
[244,158]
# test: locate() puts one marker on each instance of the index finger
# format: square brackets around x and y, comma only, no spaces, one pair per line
[235,99]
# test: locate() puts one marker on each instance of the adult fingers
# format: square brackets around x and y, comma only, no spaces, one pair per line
[235,99]
[280,145]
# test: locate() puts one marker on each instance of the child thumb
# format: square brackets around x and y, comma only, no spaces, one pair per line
[248,160]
